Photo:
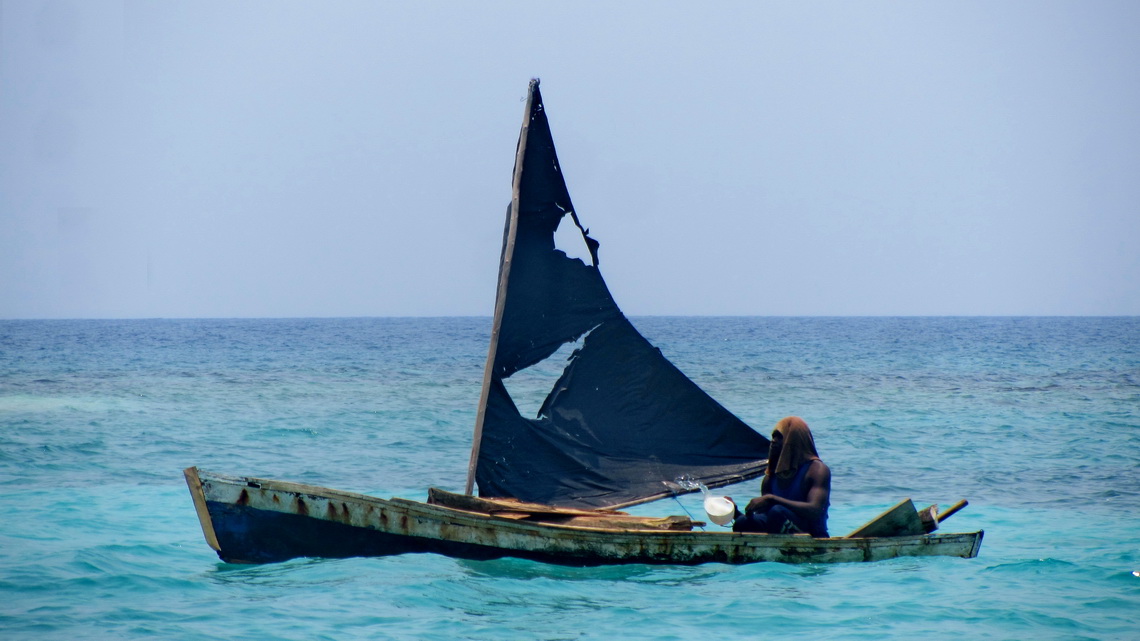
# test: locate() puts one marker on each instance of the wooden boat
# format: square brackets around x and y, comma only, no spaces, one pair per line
[248,520]
[621,426]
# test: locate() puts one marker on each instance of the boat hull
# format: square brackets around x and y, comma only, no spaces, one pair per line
[250,520]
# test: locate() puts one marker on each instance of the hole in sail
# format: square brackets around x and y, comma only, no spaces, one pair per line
[568,238]
[530,387]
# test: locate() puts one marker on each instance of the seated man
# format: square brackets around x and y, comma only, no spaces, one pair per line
[796,489]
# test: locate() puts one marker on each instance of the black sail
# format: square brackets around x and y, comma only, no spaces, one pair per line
[622,422]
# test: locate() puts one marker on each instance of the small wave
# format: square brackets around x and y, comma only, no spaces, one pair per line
[1033,566]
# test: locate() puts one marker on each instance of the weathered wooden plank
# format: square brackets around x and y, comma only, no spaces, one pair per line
[195,485]
[520,510]
[470,503]
[900,520]
[676,523]
[517,516]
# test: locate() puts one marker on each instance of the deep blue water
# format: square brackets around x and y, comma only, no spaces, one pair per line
[1035,420]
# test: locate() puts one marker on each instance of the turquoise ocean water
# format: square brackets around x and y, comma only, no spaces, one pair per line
[1035,420]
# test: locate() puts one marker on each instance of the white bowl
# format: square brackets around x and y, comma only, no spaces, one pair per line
[720,509]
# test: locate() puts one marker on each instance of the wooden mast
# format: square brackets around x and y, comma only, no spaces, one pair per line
[501,294]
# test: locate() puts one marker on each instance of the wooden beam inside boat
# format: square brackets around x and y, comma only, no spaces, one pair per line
[516,510]
[900,520]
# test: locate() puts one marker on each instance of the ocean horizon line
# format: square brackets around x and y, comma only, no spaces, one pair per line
[488,317]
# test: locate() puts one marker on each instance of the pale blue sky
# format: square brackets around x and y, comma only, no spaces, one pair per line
[218,159]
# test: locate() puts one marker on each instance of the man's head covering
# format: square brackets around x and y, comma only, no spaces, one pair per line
[799,446]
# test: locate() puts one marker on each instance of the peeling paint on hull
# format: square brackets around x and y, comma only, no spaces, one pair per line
[249,520]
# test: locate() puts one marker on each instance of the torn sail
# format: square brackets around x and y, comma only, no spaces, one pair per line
[622,422]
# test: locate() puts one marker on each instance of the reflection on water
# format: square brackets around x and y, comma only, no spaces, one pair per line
[523,569]
[276,574]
